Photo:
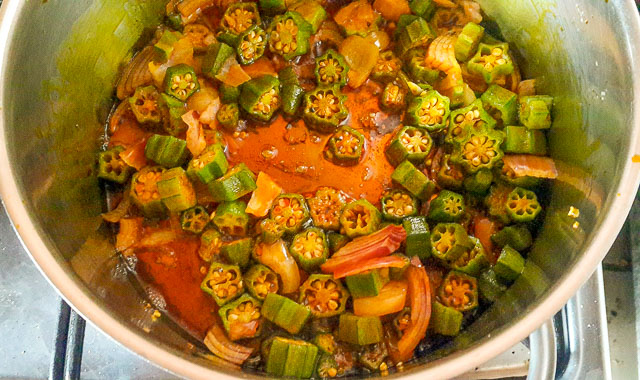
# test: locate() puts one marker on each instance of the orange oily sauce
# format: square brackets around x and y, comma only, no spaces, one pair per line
[292,154]
[174,270]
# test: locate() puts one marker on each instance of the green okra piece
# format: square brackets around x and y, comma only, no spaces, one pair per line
[360,330]
[289,35]
[459,291]
[501,104]
[174,109]
[210,243]
[479,182]
[336,241]
[181,82]
[325,208]
[465,120]
[167,151]
[446,207]
[326,343]
[290,211]
[194,220]
[214,59]
[331,69]
[345,147]
[144,191]
[524,140]
[393,97]
[491,61]
[272,7]
[223,282]
[241,318]
[489,287]
[227,38]
[403,21]
[260,281]
[228,116]
[535,111]
[522,205]
[260,97]
[310,248]
[445,320]
[422,8]
[398,274]
[449,241]
[387,67]
[418,242]
[327,366]
[360,218]
[409,143]
[164,47]
[417,68]
[231,219]
[450,174]
[209,165]
[412,179]
[365,284]
[316,111]
[290,358]
[509,265]
[496,200]
[373,355]
[323,295]
[145,105]
[111,166]
[516,236]
[285,312]
[236,183]
[473,260]
[479,150]
[239,17]
[238,252]
[229,94]
[174,20]
[397,205]
[270,231]
[468,40]
[290,90]
[416,33]
[429,111]
[176,191]
[251,45]
[311,11]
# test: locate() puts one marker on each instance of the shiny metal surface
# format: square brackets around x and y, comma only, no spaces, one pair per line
[57,74]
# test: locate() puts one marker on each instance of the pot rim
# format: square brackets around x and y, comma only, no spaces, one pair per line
[81,299]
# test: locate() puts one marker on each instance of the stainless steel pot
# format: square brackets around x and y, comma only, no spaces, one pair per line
[58,63]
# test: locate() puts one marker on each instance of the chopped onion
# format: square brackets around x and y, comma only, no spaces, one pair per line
[120,211]
[157,238]
[129,233]
[276,256]
[196,142]
[218,343]
[378,244]
[136,73]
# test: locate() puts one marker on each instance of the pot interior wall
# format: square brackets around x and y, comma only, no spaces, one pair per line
[61,70]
